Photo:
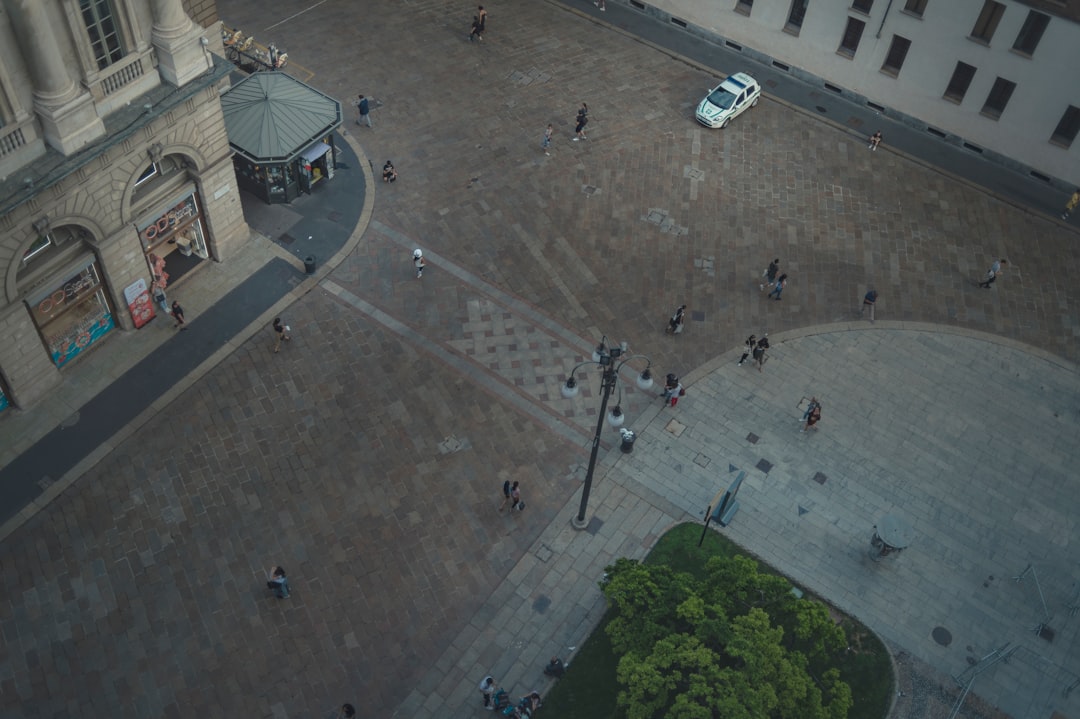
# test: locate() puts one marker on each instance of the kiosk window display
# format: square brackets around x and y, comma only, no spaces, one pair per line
[73,315]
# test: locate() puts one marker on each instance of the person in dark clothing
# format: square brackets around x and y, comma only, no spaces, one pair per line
[675,324]
[177,313]
[582,121]
[759,352]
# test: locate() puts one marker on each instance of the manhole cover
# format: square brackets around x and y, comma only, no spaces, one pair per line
[594,526]
[764,465]
[819,478]
[942,636]
[752,438]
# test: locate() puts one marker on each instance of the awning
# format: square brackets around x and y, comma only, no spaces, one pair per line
[316,151]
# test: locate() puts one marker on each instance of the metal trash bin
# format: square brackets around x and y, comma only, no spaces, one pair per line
[309,264]
[628,438]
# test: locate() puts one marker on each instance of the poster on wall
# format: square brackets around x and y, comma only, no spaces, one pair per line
[137,296]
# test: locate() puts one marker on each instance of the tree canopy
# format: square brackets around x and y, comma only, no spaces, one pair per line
[737,644]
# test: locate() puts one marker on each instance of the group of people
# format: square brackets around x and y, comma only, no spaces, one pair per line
[498,699]
[479,24]
[754,347]
[772,280]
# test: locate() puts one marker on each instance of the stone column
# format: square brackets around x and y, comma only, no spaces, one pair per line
[181,54]
[67,115]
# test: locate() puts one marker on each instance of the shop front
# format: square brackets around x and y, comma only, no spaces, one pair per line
[72,315]
[173,238]
[281,131]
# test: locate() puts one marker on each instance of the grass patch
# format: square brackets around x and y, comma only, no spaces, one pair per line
[588,689]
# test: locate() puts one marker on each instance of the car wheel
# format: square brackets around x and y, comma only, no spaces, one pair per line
[755,102]
[725,123]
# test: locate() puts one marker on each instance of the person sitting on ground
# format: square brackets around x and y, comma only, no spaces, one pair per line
[279,583]
[875,140]
[555,668]
[389,174]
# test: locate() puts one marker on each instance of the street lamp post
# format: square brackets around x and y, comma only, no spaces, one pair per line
[606,358]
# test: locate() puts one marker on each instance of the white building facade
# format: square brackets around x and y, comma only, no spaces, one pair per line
[995,76]
[115,174]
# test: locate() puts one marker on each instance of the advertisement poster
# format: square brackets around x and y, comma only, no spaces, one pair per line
[138,299]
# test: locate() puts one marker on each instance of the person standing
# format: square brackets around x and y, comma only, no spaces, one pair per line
[546,142]
[770,274]
[279,583]
[177,313]
[875,140]
[1071,204]
[814,404]
[282,332]
[759,352]
[487,688]
[475,32]
[750,343]
[515,498]
[812,419]
[348,711]
[481,15]
[675,324]
[506,495]
[418,262]
[993,273]
[781,283]
[868,304]
[365,112]
[582,121]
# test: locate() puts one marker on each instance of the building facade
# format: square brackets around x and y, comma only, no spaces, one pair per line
[994,76]
[116,176]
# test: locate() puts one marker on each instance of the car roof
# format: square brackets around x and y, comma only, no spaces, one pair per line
[738,81]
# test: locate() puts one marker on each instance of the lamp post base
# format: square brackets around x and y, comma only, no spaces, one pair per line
[579,524]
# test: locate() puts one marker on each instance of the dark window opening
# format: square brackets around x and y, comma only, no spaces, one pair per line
[1030,34]
[852,34]
[998,98]
[960,82]
[897,53]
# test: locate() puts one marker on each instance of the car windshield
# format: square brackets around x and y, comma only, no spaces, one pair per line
[722,98]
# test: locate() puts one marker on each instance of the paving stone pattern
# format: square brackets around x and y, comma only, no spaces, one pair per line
[368,455]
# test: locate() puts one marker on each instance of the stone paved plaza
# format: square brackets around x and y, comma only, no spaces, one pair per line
[367,457]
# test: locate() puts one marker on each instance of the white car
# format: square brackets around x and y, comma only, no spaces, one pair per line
[728,100]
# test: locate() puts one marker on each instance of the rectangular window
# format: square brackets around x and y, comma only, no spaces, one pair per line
[852,34]
[797,14]
[862,5]
[998,98]
[897,52]
[915,7]
[1030,34]
[988,21]
[102,30]
[1066,130]
[743,7]
[960,81]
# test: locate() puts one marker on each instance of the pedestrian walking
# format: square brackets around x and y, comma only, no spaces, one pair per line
[418,262]
[365,112]
[814,403]
[482,14]
[347,711]
[993,273]
[770,274]
[868,302]
[602,4]
[475,32]
[487,688]
[515,498]
[546,142]
[1071,204]
[748,348]
[781,283]
[506,495]
[875,140]
[812,419]
[279,583]
[282,333]
[759,352]
[177,313]
[582,121]
[675,324]
[673,389]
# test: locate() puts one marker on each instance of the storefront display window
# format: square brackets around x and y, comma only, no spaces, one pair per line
[174,241]
[74,315]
